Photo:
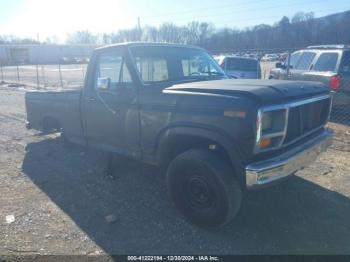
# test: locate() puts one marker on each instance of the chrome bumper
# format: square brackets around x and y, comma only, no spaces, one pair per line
[264,172]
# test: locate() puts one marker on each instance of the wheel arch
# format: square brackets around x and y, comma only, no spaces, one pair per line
[176,140]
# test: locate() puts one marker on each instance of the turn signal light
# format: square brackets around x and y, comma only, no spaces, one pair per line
[334,83]
[265,142]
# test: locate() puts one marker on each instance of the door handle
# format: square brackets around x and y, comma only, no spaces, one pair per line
[90,99]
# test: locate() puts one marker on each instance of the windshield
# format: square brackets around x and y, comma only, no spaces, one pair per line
[174,64]
[241,64]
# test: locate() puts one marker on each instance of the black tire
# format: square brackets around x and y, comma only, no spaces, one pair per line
[204,188]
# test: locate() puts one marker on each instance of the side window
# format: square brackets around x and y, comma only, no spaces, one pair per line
[326,62]
[294,58]
[305,60]
[111,66]
[152,69]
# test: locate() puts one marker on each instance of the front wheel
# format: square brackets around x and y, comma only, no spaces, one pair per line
[204,188]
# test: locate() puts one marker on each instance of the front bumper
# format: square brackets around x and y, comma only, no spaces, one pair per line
[267,171]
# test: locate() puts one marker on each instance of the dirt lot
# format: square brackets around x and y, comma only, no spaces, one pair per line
[64,203]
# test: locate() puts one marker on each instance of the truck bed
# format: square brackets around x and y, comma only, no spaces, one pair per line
[61,107]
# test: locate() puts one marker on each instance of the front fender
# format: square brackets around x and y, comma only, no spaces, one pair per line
[228,143]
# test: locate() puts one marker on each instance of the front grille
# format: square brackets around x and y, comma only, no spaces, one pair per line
[305,118]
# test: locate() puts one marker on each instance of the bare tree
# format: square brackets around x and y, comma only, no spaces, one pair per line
[82,37]
[301,30]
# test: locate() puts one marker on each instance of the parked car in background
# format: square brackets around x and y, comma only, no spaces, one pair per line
[240,67]
[282,57]
[81,60]
[67,60]
[270,58]
[74,60]
[329,64]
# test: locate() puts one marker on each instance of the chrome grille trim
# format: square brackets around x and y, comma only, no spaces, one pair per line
[287,107]
[295,103]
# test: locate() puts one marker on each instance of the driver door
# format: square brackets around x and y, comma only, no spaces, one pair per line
[110,106]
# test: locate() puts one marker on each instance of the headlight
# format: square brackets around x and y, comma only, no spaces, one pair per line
[271,129]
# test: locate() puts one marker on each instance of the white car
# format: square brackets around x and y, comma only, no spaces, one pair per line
[270,57]
[240,67]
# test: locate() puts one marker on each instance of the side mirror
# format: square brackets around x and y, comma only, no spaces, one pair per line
[279,65]
[103,83]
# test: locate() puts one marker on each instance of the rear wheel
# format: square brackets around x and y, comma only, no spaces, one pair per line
[204,188]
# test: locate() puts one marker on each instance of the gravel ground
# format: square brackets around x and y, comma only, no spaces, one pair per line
[64,203]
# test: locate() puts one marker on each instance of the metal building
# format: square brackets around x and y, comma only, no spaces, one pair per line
[42,54]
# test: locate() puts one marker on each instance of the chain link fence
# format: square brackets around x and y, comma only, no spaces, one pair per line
[40,76]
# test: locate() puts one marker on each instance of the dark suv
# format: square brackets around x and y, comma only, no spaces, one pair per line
[329,64]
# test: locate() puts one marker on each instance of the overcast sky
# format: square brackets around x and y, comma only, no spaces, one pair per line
[28,18]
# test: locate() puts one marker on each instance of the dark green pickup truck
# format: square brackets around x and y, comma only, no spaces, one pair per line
[329,64]
[173,106]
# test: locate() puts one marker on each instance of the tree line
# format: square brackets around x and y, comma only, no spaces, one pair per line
[298,31]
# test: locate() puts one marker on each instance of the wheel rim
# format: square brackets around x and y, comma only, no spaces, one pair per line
[200,194]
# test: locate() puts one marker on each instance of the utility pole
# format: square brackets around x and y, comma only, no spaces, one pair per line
[138,23]
[139,28]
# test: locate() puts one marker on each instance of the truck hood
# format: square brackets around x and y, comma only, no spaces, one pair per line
[266,91]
